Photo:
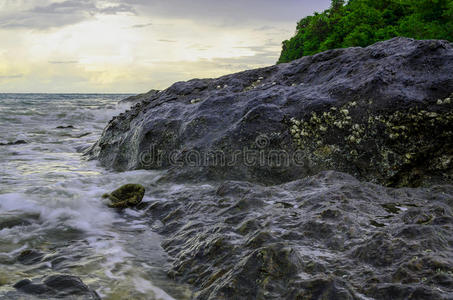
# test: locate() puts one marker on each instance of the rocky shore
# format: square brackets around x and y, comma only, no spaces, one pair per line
[328,236]
[381,113]
[325,178]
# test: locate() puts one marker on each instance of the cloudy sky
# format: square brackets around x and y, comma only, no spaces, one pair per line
[135,45]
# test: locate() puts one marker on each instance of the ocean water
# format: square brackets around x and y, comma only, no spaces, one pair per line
[50,201]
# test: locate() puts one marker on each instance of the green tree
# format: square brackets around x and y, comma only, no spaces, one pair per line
[364,22]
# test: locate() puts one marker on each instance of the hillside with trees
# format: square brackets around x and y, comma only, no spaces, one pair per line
[364,22]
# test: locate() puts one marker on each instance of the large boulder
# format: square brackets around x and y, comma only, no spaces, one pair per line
[382,113]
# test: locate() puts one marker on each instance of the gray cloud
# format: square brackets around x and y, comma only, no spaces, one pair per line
[38,21]
[82,6]
[228,13]
[262,57]
[142,25]
[58,14]
[66,7]
[113,10]
[265,22]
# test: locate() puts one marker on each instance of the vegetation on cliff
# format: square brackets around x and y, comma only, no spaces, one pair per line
[365,22]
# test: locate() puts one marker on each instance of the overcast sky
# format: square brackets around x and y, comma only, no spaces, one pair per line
[136,45]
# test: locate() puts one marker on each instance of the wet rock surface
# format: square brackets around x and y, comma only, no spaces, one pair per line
[8,220]
[282,227]
[382,113]
[328,236]
[29,257]
[139,98]
[55,287]
[18,142]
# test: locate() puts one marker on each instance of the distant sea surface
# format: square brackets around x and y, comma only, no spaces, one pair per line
[50,201]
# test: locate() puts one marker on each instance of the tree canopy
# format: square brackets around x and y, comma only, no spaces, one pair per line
[365,22]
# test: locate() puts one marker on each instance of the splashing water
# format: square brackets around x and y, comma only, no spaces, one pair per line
[50,201]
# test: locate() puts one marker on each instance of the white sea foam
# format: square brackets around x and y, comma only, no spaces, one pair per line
[46,183]
[146,286]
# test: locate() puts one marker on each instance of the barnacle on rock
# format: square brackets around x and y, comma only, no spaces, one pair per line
[388,135]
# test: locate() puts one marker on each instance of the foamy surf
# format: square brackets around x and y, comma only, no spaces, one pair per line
[50,201]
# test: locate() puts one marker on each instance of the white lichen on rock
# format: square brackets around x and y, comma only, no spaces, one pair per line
[194,101]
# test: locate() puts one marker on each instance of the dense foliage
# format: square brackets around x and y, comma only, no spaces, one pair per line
[364,22]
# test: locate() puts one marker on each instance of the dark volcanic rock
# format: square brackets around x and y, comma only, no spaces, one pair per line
[18,142]
[29,257]
[314,238]
[139,98]
[8,220]
[57,286]
[13,222]
[382,113]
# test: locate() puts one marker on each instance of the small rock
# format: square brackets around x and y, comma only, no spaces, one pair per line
[128,195]
[66,284]
[57,286]
[18,142]
[13,222]
[28,287]
[29,257]
[82,135]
